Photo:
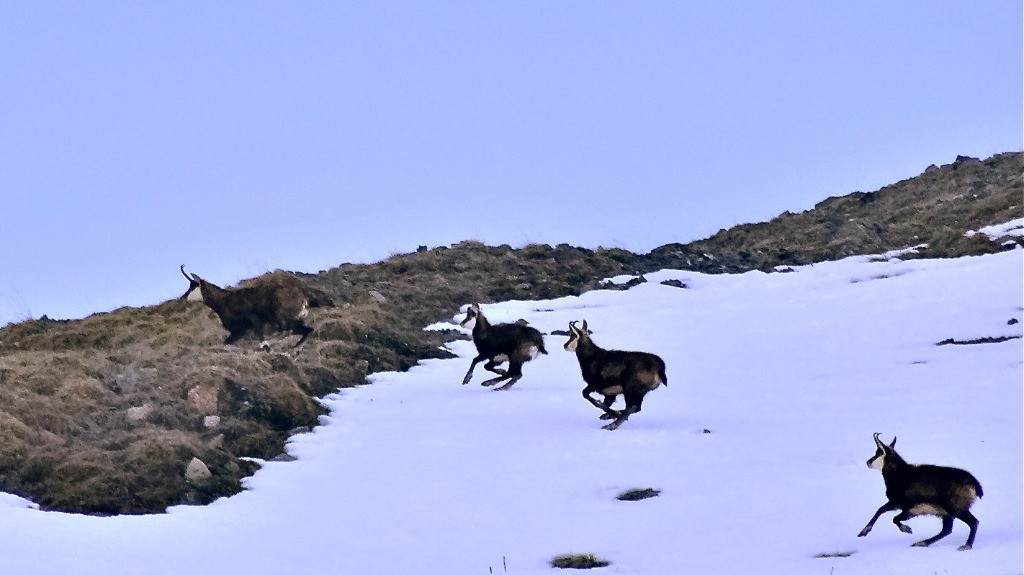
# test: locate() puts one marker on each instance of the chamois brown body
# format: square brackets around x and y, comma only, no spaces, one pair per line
[613,372]
[515,343]
[915,490]
[278,303]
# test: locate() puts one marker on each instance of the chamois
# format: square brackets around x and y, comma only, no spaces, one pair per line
[279,302]
[614,372]
[516,343]
[947,492]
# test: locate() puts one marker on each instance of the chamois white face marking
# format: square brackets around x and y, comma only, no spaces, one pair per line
[471,314]
[878,461]
[534,352]
[305,310]
[574,339]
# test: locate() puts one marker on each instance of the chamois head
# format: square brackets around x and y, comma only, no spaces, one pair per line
[472,313]
[575,334]
[882,451]
[193,282]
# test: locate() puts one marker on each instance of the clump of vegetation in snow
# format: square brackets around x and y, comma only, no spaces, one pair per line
[578,561]
[638,493]
[834,554]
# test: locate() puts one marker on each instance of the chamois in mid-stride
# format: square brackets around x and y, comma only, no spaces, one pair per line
[612,372]
[279,302]
[947,492]
[515,343]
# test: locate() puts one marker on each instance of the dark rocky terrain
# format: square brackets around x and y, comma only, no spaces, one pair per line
[105,414]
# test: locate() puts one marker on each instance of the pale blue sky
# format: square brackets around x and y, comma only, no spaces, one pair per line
[240,137]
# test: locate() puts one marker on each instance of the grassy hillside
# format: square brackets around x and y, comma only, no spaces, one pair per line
[934,208]
[105,414]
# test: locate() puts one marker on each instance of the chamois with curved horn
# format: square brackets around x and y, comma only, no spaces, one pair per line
[515,343]
[279,302]
[613,372]
[914,490]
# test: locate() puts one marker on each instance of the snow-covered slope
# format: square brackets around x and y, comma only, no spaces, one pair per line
[758,443]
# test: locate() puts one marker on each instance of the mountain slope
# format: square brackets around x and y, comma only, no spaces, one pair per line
[103,415]
[934,208]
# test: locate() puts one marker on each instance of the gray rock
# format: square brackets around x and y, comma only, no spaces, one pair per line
[197,471]
[140,412]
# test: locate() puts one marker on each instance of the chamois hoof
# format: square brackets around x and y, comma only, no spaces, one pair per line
[612,426]
[965,547]
[863,533]
[609,415]
[924,543]
[905,528]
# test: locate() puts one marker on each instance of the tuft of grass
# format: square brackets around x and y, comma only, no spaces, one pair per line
[834,554]
[578,561]
[638,493]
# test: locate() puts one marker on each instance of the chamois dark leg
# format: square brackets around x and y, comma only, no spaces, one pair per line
[515,371]
[889,506]
[492,366]
[638,402]
[509,384]
[260,329]
[622,417]
[472,366]
[971,522]
[633,402]
[303,330]
[947,528]
[606,405]
[900,518]
[586,395]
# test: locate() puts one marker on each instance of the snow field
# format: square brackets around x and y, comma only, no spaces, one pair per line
[790,372]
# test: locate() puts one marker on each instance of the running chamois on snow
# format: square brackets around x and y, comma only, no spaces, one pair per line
[915,490]
[612,373]
[515,343]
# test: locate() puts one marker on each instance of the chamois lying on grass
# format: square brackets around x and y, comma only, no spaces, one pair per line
[947,492]
[612,372]
[279,302]
[515,343]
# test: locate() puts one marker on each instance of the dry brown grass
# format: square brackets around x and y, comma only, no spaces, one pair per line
[72,441]
[102,415]
[934,208]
